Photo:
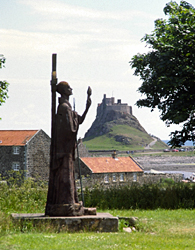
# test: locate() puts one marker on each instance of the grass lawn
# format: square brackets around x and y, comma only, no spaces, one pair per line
[156,229]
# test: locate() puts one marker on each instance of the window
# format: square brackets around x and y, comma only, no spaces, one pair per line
[114,177]
[106,179]
[122,177]
[16,150]
[134,177]
[16,166]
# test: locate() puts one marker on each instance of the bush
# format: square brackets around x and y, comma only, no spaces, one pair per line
[29,196]
[150,196]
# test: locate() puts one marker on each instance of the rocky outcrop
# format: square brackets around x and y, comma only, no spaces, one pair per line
[104,123]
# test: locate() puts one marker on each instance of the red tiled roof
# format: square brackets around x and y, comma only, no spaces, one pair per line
[111,165]
[16,137]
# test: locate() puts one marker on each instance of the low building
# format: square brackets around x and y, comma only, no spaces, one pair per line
[108,170]
[27,150]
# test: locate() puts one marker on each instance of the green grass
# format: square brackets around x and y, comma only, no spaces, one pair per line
[103,143]
[156,229]
[138,140]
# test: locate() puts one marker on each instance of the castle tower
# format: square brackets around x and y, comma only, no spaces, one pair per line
[109,104]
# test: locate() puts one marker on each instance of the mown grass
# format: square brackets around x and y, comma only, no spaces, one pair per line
[155,229]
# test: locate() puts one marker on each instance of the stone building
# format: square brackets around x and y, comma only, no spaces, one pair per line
[114,171]
[27,150]
[108,170]
[83,152]
[108,104]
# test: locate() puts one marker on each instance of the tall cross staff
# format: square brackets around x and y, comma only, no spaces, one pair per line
[53,105]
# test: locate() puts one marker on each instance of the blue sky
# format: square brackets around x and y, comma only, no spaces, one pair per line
[94,42]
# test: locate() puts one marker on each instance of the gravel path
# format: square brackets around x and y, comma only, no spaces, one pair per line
[151,143]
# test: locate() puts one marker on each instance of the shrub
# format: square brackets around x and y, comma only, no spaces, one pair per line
[29,196]
[148,196]
[22,195]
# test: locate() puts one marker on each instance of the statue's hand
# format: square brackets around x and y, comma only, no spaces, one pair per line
[89,92]
[88,102]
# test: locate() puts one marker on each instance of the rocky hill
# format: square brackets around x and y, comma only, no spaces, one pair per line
[116,126]
[104,123]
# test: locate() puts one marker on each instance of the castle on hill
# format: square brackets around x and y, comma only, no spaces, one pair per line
[109,104]
[109,114]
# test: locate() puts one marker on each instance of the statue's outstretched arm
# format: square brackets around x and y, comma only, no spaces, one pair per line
[88,104]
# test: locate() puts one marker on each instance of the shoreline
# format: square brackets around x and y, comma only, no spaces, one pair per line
[166,163]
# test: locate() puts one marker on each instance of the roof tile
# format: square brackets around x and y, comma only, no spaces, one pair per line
[111,165]
[16,137]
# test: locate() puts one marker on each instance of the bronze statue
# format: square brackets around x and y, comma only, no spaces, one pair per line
[62,199]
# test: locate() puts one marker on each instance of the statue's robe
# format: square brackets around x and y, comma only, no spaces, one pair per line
[62,188]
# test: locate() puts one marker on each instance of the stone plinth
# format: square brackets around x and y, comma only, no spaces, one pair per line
[65,209]
[102,222]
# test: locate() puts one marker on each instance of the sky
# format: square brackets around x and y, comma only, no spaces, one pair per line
[94,42]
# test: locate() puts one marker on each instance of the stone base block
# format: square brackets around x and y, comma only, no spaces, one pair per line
[102,222]
[76,209]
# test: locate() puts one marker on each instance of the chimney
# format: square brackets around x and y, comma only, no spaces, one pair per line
[119,101]
[112,100]
[114,155]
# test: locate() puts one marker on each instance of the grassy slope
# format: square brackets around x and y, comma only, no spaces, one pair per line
[107,142]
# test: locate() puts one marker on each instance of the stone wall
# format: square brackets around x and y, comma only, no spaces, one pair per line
[38,156]
[83,152]
[8,158]
[85,171]
[119,107]
[110,179]
[155,178]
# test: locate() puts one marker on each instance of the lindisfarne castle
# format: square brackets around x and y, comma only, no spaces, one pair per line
[108,104]
[116,125]
[110,113]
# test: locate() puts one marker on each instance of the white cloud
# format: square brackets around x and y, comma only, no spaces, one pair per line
[61,11]
[77,37]
[102,46]
[31,42]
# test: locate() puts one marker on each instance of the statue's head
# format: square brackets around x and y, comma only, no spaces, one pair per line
[64,88]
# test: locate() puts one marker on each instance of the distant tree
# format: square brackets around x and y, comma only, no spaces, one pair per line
[167,71]
[3,84]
